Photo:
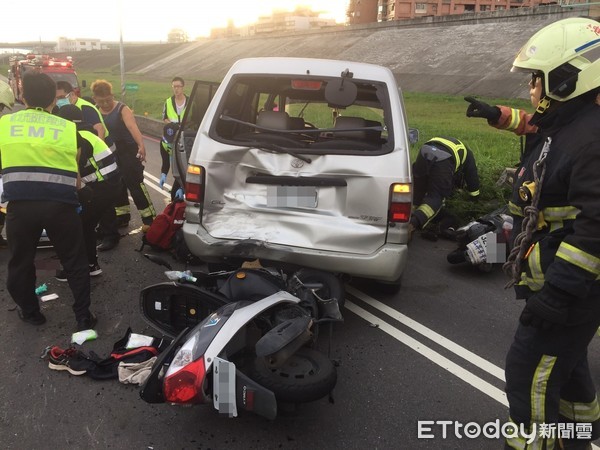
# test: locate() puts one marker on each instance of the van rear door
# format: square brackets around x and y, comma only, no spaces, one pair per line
[200,97]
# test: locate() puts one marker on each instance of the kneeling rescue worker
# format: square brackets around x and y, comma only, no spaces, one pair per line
[555,262]
[443,163]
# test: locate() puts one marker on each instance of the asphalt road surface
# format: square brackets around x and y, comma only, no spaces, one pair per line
[434,351]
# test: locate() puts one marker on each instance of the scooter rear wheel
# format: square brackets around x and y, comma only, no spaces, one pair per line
[306,376]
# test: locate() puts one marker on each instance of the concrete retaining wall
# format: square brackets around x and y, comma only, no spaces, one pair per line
[150,127]
[458,54]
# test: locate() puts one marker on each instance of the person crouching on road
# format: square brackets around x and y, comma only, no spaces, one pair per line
[39,173]
[131,153]
[98,170]
[443,164]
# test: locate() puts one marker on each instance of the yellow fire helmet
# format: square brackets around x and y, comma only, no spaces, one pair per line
[567,54]
[7,99]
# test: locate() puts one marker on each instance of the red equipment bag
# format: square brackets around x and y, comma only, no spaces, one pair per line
[161,234]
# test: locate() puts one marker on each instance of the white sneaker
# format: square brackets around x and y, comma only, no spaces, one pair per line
[95,270]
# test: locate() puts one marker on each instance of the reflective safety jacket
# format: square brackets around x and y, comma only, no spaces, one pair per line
[170,109]
[97,161]
[515,120]
[39,157]
[80,103]
[443,163]
[565,254]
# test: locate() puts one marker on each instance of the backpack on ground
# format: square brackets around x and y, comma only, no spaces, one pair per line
[161,234]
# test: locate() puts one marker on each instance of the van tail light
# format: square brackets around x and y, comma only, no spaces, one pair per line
[194,184]
[400,203]
[186,376]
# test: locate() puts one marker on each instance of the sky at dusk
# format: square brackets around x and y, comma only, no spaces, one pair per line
[144,20]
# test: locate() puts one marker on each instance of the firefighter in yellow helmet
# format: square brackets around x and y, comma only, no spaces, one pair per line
[7,100]
[555,262]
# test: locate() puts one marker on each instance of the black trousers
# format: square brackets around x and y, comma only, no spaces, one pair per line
[25,221]
[166,160]
[548,379]
[96,202]
[132,172]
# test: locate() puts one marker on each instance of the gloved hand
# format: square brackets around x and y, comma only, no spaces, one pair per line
[547,309]
[477,108]
[179,194]
[163,179]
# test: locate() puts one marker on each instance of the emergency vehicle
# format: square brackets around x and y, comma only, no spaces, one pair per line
[59,69]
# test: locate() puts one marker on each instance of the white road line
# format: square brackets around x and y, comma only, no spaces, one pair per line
[154,184]
[432,355]
[430,334]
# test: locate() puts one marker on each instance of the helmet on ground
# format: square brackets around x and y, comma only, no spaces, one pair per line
[7,99]
[566,54]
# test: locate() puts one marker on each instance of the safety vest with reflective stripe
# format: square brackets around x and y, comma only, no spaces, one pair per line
[458,150]
[81,102]
[39,157]
[171,112]
[102,164]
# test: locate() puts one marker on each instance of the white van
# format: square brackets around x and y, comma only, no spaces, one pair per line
[299,161]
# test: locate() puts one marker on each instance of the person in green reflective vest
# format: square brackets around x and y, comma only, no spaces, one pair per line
[173,111]
[40,180]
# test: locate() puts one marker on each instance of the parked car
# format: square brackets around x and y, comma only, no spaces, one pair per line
[299,161]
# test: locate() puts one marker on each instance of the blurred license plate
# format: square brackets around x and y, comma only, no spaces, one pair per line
[292,196]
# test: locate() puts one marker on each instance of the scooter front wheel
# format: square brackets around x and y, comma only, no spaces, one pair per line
[306,376]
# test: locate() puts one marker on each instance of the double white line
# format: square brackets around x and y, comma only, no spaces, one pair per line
[455,369]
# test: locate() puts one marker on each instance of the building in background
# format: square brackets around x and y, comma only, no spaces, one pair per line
[362,11]
[302,18]
[280,21]
[409,9]
[66,45]
[176,36]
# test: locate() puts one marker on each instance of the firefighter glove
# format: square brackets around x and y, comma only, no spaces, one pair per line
[477,108]
[547,309]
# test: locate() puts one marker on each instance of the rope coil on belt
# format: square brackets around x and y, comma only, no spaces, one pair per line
[513,264]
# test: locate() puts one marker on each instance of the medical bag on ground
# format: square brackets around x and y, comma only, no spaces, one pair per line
[161,234]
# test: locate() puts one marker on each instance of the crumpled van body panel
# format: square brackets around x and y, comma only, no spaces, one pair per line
[288,171]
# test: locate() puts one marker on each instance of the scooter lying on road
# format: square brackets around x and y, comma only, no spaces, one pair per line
[243,339]
[484,241]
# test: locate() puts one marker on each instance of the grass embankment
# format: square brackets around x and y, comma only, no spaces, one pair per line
[432,114]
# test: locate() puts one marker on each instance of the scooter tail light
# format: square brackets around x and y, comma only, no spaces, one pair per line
[185,386]
[194,184]
[400,202]
[184,380]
